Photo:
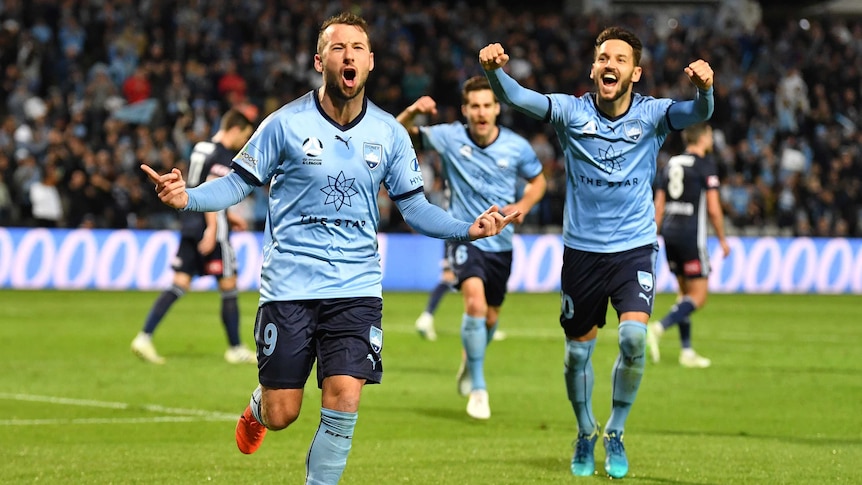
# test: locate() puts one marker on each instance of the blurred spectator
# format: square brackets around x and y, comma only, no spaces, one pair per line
[788,104]
[45,199]
[137,87]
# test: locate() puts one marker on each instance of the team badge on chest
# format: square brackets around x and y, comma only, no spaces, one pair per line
[373,154]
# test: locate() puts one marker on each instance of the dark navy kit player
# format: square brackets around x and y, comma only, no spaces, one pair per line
[204,248]
[686,200]
[324,156]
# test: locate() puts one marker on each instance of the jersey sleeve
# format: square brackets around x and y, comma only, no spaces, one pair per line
[403,175]
[563,108]
[710,174]
[434,136]
[259,158]
[658,110]
[530,165]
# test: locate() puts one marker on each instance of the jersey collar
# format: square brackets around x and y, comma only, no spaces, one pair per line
[315,95]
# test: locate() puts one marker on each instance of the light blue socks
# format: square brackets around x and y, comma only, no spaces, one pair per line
[474,338]
[628,371]
[327,455]
[579,382]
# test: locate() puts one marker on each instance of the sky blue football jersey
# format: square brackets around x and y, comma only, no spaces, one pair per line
[610,167]
[481,177]
[320,239]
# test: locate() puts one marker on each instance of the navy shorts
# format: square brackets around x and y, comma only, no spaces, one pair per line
[220,263]
[343,335]
[494,269]
[589,280]
[687,260]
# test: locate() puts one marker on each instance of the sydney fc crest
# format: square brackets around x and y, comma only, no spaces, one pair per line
[633,130]
[645,280]
[373,154]
[375,338]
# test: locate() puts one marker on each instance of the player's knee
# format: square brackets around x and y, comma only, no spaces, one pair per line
[279,417]
[577,354]
[475,307]
[632,341]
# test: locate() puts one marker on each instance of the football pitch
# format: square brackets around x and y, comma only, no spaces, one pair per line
[781,404]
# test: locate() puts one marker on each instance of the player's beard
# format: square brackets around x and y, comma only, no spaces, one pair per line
[335,89]
[623,86]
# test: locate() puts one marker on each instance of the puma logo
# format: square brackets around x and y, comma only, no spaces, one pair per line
[645,297]
[373,362]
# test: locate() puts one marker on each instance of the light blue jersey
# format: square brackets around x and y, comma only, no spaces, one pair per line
[480,177]
[610,166]
[324,182]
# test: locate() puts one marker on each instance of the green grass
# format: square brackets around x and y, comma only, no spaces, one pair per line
[781,404]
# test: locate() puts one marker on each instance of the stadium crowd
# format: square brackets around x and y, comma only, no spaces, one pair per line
[92,88]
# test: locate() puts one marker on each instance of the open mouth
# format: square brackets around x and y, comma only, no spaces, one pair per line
[609,79]
[349,76]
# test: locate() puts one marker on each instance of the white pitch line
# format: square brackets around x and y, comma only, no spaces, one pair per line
[154,408]
[160,419]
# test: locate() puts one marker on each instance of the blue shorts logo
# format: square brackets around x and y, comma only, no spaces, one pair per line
[645,280]
[375,338]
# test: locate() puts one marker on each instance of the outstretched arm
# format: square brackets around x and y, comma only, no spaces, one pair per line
[210,196]
[687,113]
[533,104]
[433,221]
[423,105]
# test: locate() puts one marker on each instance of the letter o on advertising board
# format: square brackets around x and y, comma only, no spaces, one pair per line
[836,254]
[76,242]
[117,243]
[33,241]
[761,272]
[800,249]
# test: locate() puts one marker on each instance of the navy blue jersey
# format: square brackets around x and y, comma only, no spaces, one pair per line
[685,181]
[208,160]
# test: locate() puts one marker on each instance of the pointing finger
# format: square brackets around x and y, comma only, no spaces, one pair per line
[152,174]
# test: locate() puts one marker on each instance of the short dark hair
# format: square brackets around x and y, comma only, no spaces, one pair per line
[475,83]
[345,18]
[233,118]
[692,133]
[624,35]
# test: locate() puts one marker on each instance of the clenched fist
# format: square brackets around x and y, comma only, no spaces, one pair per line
[493,56]
[700,74]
